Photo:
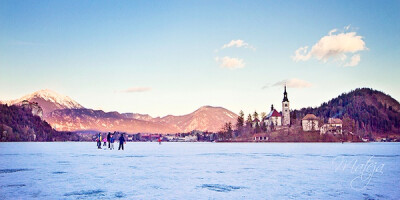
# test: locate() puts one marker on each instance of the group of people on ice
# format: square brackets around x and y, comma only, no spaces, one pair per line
[110,139]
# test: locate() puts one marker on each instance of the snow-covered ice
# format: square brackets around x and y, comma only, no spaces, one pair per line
[200,171]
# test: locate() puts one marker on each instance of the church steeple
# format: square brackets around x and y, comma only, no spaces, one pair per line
[285,95]
[285,109]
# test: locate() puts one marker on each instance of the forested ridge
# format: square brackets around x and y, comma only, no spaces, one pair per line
[19,124]
[363,110]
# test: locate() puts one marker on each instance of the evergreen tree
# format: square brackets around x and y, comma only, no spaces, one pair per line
[228,130]
[240,121]
[255,115]
[263,126]
[249,121]
[257,122]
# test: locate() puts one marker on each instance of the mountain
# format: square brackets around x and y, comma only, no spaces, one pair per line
[48,100]
[98,120]
[363,110]
[17,123]
[65,114]
[206,118]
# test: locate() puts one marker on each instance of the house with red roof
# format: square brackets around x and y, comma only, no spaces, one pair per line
[273,119]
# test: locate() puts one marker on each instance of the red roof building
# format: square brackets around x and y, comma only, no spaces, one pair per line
[274,118]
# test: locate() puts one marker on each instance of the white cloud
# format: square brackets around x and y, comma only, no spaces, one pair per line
[230,63]
[293,83]
[301,54]
[332,31]
[354,61]
[335,46]
[136,89]
[238,43]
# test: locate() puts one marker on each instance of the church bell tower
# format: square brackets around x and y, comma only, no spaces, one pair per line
[285,110]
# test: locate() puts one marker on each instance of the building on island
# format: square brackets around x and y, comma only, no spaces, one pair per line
[310,123]
[274,118]
[334,125]
[285,109]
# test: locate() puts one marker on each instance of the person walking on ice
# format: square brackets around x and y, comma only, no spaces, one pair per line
[99,141]
[121,142]
[109,139]
[112,141]
[105,142]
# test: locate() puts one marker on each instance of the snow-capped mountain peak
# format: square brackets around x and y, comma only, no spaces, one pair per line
[49,100]
[54,97]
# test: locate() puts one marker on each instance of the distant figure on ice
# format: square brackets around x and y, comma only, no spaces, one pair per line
[121,142]
[105,141]
[109,139]
[159,139]
[99,141]
[112,142]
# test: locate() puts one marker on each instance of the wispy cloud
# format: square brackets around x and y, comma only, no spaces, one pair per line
[335,46]
[135,89]
[266,86]
[293,83]
[238,43]
[230,63]
[354,61]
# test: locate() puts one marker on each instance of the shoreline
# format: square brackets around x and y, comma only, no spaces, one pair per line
[186,142]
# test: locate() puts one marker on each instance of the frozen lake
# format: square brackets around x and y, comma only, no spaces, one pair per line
[200,171]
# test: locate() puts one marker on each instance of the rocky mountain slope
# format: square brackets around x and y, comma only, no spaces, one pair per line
[206,118]
[98,120]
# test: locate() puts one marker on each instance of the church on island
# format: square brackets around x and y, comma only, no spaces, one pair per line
[275,119]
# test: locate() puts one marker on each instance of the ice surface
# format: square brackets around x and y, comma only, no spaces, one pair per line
[200,171]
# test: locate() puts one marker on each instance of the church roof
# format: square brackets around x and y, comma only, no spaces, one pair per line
[273,113]
[310,117]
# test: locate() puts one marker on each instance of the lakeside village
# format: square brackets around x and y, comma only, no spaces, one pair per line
[273,127]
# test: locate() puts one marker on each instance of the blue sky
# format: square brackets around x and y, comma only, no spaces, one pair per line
[166,57]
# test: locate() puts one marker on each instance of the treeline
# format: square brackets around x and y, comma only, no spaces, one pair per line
[245,126]
[362,110]
[19,124]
